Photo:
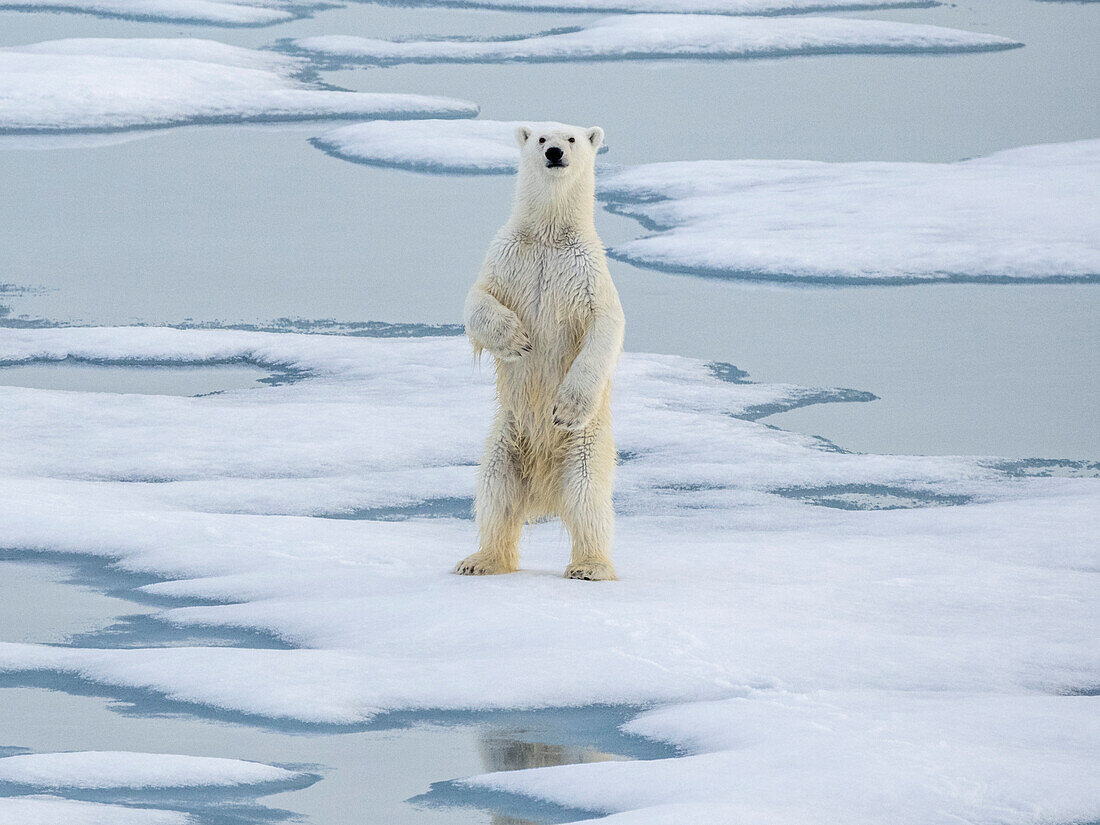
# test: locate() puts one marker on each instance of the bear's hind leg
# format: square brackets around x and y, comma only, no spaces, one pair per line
[500,507]
[586,509]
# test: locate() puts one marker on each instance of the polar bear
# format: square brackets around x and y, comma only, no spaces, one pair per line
[545,308]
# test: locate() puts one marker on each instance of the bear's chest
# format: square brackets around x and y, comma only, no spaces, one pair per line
[546,283]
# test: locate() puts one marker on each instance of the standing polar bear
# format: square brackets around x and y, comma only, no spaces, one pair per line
[544,306]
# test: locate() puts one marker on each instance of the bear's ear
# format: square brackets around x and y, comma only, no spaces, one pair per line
[595,136]
[522,133]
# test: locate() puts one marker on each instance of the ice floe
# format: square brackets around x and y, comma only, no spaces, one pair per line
[455,146]
[270,12]
[1020,215]
[207,12]
[101,84]
[100,770]
[746,7]
[52,810]
[1026,214]
[922,658]
[654,36]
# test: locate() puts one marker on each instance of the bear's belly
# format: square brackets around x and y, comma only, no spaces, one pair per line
[545,286]
[528,387]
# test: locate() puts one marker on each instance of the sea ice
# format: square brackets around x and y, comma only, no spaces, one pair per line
[52,810]
[845,759]
[100,770]
[1026,214]
[747,7]
[917,662]
[456,146]
[655,36]
[207,12]
[270,12]
[101,84]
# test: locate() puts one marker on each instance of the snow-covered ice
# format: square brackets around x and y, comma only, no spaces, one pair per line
[654,36]
[761,7]
[53,810]
[87,770]
[270,12]
[455,146]
[908,665]
[846,759]
[1026,214]
[207,12]
[101,84]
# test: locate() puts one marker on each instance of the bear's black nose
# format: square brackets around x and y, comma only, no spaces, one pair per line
[553,154]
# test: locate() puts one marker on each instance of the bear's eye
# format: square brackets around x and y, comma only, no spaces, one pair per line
[572,140]
[542,140]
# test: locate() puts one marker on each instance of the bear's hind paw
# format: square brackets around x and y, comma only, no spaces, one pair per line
[479,565]
[591,571]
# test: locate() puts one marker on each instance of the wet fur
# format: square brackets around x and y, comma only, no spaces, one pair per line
[544,306]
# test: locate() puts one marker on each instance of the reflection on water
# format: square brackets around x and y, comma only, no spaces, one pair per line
[502,752]
[511,752]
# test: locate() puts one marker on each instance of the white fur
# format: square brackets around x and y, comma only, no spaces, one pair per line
[544,306]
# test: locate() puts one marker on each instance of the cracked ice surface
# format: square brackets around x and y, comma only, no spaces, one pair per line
[101,84]
[656,36]
[1026,214]
[904,665]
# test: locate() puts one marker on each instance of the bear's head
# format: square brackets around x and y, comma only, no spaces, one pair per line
[558,153]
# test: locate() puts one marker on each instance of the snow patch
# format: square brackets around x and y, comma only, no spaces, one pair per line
[655,36]
[101,84]
[737,7]
[51,810]
[1026,214]
[201,12]
[87,770]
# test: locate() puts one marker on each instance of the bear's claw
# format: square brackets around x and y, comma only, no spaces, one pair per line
[517,345]
[591,571]
[570,411]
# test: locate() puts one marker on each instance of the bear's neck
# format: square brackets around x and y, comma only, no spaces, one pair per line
[554,210]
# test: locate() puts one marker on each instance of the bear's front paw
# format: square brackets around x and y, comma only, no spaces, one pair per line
[591,571]
[479,565]
[514,344]
[572,410]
